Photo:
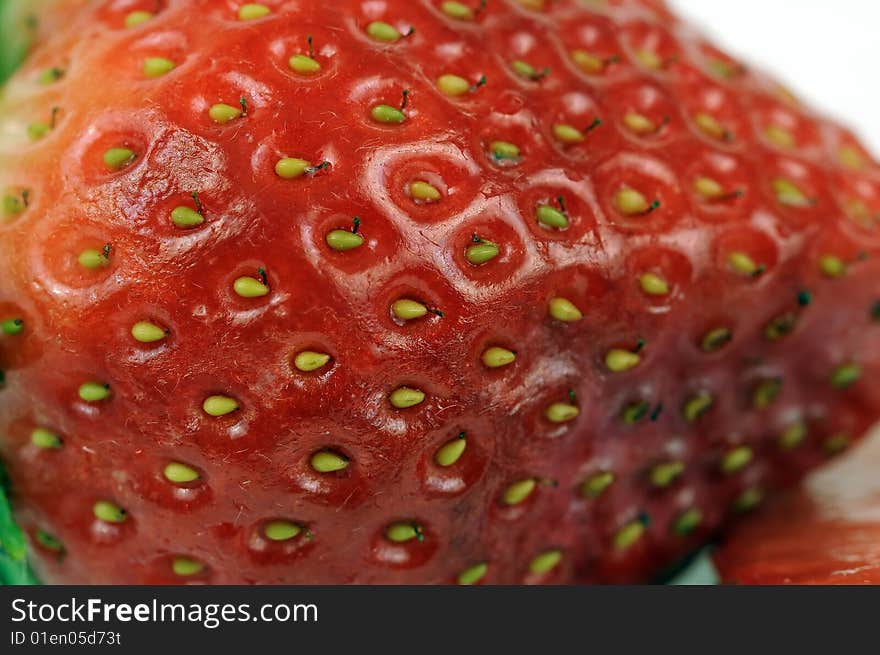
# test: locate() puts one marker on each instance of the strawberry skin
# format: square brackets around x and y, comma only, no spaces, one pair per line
[416,292]
[825,532]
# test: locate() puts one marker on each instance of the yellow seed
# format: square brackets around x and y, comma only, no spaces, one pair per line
[567,134]
[325,461]
[629,534]
[92,259]
[180,473]
[387,114]
[687,521]
[480,253]
[186,218]
[253,11]
[404,397]
[222,114]
[524,69]
[766,392]
[308,361]
[496,357]
[708,188]
[551,217]
[639,124]
[741,263]
[653,284]
[291,168]
[851,158]
[779,137]
[587,62]
[618,360]
[109,512]
[135,18]
[424,192]
[503,150]
[736,460]
[383,32]
[715,339]
[793,436]
[697,405]
[630,202]
[281,530]
[788,193]
[845,376]
[43,438]
[457,10]
[186,566]
[836,443]
[663,475]
[157,67]
[147,332]
[249,287]
[748,500]
[453,85]
[450,452]
[473,574]
[303,65]
[561,412]
[519,491]
[832,266]
[402,532]
[596,485]
[564,310]
[649,59]
[219,405]
[711,127]
[545,562]
[343,240]
[118,158]
[37,131]
[408,310]
[93,392]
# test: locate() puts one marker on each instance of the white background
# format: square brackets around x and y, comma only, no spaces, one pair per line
[826,51]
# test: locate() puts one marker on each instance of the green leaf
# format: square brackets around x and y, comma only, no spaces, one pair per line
[14,569]
[18,24]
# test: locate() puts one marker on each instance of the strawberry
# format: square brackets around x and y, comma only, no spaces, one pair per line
[535,291]
[825,532]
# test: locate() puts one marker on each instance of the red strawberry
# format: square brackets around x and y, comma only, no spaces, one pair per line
[535,291]
[826,532]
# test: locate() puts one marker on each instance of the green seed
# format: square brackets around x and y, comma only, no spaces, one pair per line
[424,192]
[793,436]
[180,473]
[37,131]
[742,264]
[618,360]
[387,114]
[109,512]
[788,193]
[503,150]
[281,530]
[496,357]
[473,574]
[634,413]
[404,397]
[736,460]
[551,217]
[748,500]
[253,11]
[343,240]
[780,326]
[687,522]
[43,438]
[779,136]
[249,287]
[450,452]
[185,218]
[220,405]
[561,412]
[457,10]
[639,124]
[836,443]
[596,485]
[845,376]
[325,461]
[48,541]
[186,566]
[518,492]
[408,310]
[629,534]
[135,18]
[118,158]
[567,134]
[630,202]
[383,32]
[545,562]
[715,339]
[402,532]
[766,392]
[832,266]
[653,285]
[453,85]
[157,67]
[147,332]
[12,326]
[696,406]
[303,65]
[222,114]
[308,361]
[93,392]
[50,75]
[663,475]
[564,310]
[291,168]
[524,69]
[92,259]
[480,253]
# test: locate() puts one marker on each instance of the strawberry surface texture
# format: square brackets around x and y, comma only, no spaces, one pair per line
[537,291]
